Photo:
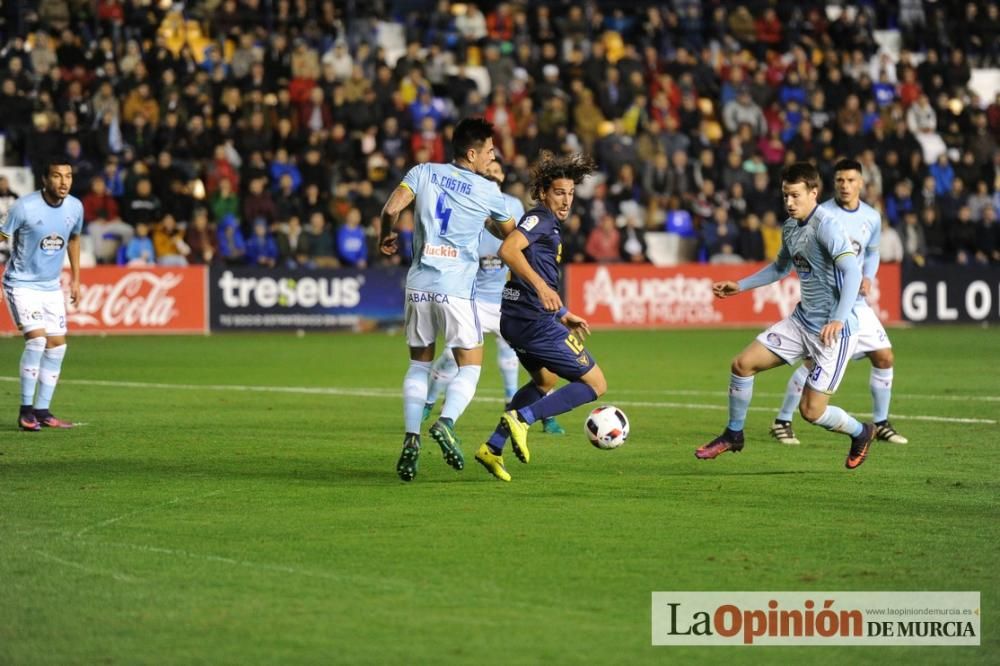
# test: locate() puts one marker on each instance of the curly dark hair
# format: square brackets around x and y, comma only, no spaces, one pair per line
[549,168]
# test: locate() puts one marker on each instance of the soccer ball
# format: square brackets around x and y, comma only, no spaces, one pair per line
[606,427]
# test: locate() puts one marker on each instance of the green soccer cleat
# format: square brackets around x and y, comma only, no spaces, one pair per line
[444,434]
[406,468]
[551,427]
[492,462]
[518,430]
[428,407]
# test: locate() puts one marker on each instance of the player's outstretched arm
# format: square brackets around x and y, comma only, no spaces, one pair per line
[400,198]
[725,289]
[765,276]
[512,254]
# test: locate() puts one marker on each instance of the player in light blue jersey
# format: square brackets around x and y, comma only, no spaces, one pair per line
[823,326]
[863,225]
[453,203]
[490,281]
[42,227]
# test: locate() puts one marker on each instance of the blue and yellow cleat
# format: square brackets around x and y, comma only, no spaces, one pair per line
[492,462]
[406,468]
[518,430]
[551,427]
[444,434]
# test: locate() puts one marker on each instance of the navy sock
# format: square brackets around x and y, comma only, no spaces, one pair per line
[560,401]
[525,396]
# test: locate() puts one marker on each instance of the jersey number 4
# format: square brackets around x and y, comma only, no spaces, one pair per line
[442,212]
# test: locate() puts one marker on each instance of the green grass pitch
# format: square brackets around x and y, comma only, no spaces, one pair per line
[188,522]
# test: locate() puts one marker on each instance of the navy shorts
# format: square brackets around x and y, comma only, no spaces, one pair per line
[546,343]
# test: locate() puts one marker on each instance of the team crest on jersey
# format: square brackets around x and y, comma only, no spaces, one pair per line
[69,221]
[802,266]
[52,243]
[583,360]
[529,222]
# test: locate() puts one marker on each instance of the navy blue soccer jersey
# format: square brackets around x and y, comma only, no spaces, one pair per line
[543,253]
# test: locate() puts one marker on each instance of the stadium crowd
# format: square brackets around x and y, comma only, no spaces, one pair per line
[270,131]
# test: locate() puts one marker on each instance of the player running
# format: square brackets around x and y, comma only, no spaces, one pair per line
[545,335]
[490,280]
[863,225]
[822,327]
[453,201]
[42,227]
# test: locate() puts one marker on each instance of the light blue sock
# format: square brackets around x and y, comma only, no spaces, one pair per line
[414,394]
[837,420]
[509,366]
[880,382]
[48,375]
[793,394]
[460,392]
[443,371]
[740,394]
[31,359]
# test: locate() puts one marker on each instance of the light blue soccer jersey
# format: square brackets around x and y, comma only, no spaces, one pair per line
[813,248]
[452,204]
[492,275]
[39,234]
[864,227]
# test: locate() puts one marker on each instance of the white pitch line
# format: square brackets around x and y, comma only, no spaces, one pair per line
[130,514]
[905,396]
[125,578]
[394,393]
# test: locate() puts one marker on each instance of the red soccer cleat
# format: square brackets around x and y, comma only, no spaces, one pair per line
[727,441]
[860,446]
[47,420]
[28,423]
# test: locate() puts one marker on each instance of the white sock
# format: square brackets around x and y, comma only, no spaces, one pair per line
[460,392]
[414,394]
[837,420]
[793,394]
[48,375]
[31,359]
[443,371]
[880,382]
[509,367]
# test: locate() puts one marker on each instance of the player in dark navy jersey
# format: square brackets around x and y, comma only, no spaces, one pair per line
[534,321]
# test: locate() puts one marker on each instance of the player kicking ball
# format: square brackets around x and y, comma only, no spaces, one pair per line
[863,225]
[490,281]
[822,327]
[545,335]
[42,227]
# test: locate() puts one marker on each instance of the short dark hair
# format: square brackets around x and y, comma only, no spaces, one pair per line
[550,168]
[58,159]
[470,133]
[802,172]
[847,165]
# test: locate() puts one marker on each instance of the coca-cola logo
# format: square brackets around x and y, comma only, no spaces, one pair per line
[674,299]
[138,298]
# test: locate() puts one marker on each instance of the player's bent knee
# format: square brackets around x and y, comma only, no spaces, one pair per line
[882,359]
[596,381]
[811,413]
[741,367]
